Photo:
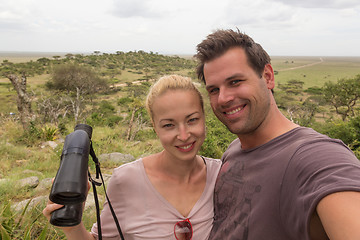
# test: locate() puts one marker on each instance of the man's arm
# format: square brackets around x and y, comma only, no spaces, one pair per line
[340,215]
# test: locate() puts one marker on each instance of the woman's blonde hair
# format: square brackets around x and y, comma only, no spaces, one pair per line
[170,82]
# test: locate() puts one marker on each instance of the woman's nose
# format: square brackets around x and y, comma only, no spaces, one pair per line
[183,133]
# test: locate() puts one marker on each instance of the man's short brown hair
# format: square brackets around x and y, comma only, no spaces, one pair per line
[220,41]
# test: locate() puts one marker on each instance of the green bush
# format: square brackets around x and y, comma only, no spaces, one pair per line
[125,101]
[98,119]
[106,107]
[218,138]
[63,129]
[347,131]
[335,129]
[95,119]
[30,136]
[104,115]
[113,120]
[49,133]
[145,134]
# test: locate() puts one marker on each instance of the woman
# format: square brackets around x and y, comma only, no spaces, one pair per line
[167,195]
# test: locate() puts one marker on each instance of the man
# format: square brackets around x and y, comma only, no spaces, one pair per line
[278,181]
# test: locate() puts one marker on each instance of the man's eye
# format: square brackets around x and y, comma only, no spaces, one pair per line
[234,82]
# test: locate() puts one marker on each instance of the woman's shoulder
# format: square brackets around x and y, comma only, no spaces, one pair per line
[128,169]
[212,162]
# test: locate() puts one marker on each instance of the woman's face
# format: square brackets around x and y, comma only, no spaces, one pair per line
[179,122]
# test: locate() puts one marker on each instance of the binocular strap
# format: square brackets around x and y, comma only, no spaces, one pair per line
[94,185]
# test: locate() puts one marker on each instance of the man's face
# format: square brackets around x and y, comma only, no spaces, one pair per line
[239,97]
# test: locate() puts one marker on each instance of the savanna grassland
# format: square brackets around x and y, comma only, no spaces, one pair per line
[115,110]
[315,71]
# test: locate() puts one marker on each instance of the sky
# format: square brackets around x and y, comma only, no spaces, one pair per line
[282,27]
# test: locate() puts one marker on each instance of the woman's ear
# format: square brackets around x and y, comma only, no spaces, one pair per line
[154,129]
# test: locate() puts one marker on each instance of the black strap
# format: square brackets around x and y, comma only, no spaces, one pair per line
[94,184]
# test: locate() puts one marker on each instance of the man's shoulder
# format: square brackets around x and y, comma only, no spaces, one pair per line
[307,136]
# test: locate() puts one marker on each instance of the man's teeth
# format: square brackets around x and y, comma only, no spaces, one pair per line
[186,147]
[234,111]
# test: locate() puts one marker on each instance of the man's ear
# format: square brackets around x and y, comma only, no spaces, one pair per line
[268,75]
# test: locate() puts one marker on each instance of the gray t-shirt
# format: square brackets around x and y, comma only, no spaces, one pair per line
[271,191]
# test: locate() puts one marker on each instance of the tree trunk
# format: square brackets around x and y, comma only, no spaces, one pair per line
[128,135]
[77,105]
[139,125]
[23,99]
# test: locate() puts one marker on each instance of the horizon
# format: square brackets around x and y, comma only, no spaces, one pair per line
[54,53]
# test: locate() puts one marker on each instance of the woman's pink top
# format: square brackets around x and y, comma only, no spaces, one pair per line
[145,214]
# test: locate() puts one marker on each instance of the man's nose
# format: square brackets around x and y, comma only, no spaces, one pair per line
[225,96]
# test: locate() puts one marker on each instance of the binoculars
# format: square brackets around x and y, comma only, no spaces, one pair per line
[71,182]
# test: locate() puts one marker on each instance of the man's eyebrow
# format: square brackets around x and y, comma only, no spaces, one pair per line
[232,77]
[209,87]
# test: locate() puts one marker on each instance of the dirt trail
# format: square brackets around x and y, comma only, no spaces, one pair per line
[302,66]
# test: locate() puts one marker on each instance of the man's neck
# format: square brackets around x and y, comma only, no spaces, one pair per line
[276,125]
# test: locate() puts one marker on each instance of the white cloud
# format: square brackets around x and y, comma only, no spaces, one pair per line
[259,13]
[177,26]
[338,4]
[136,8]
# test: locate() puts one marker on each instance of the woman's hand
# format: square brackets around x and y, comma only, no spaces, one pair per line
[77,232]
[50,207]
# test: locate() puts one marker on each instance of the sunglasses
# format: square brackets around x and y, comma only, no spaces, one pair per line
[183,230]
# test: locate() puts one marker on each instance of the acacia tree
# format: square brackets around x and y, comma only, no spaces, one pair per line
[17,74]
[23,98]
[343,95]
[135,106]
[78,82]
[50,108]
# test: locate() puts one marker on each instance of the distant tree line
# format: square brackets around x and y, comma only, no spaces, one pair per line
[79,76]
[77,80]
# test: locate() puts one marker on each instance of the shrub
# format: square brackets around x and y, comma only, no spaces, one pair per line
[31,135]
[347,131]
[145,134]
[113,120]
[106,107]
[218,138]
[98,119]
[49,133]
[125,101]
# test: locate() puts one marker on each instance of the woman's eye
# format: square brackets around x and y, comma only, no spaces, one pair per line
[167,125]
[193,120]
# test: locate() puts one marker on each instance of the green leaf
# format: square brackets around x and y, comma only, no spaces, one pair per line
[4,234]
